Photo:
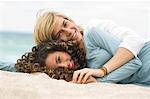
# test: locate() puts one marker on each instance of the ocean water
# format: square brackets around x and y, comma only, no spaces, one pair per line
[14,44]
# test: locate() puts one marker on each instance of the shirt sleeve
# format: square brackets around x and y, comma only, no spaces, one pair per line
[129,39]
[7,66]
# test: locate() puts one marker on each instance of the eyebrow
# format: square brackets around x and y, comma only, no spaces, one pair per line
[55,36]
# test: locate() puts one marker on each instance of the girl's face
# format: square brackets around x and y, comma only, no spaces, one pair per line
[59,59]
[66,30]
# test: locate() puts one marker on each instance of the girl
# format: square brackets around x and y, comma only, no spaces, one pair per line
[57,59]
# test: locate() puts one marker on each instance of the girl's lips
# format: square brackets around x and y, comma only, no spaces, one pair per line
[71,65]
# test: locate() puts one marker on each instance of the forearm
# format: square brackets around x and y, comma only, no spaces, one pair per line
[121,57]
[7,66]
[123,74]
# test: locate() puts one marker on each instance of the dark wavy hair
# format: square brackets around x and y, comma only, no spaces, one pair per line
[35,61]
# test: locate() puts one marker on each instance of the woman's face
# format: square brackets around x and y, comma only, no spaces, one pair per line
[59,59]
[66,30]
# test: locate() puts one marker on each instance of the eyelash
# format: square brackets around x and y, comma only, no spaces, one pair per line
[65,23]
[59,61]
[59,34]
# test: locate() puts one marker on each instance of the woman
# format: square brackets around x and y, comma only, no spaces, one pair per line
[57,59]
[108,46]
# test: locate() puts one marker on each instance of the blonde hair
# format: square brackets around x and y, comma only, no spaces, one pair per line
[45,25]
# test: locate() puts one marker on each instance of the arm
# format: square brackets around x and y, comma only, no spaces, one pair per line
[121,42]
[97,57]
[121,57]
[122,74]
[7,66]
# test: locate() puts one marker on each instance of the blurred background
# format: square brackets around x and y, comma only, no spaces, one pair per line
[17,19]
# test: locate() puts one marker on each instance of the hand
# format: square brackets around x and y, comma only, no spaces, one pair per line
[81,76]
[91,79]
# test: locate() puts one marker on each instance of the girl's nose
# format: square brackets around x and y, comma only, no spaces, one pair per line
[67,62]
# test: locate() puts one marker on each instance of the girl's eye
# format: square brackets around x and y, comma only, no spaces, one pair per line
[59,60]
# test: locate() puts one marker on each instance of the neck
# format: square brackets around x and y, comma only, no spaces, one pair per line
[81,46]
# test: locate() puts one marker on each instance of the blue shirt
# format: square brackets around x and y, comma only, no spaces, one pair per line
[100,47]
[7,66]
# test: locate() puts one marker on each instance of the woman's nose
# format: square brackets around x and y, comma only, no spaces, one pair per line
[67,30]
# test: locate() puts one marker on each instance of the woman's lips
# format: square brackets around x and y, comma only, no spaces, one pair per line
[74,36]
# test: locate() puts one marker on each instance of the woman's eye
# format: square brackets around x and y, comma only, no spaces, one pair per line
[59,35]
[65,23]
